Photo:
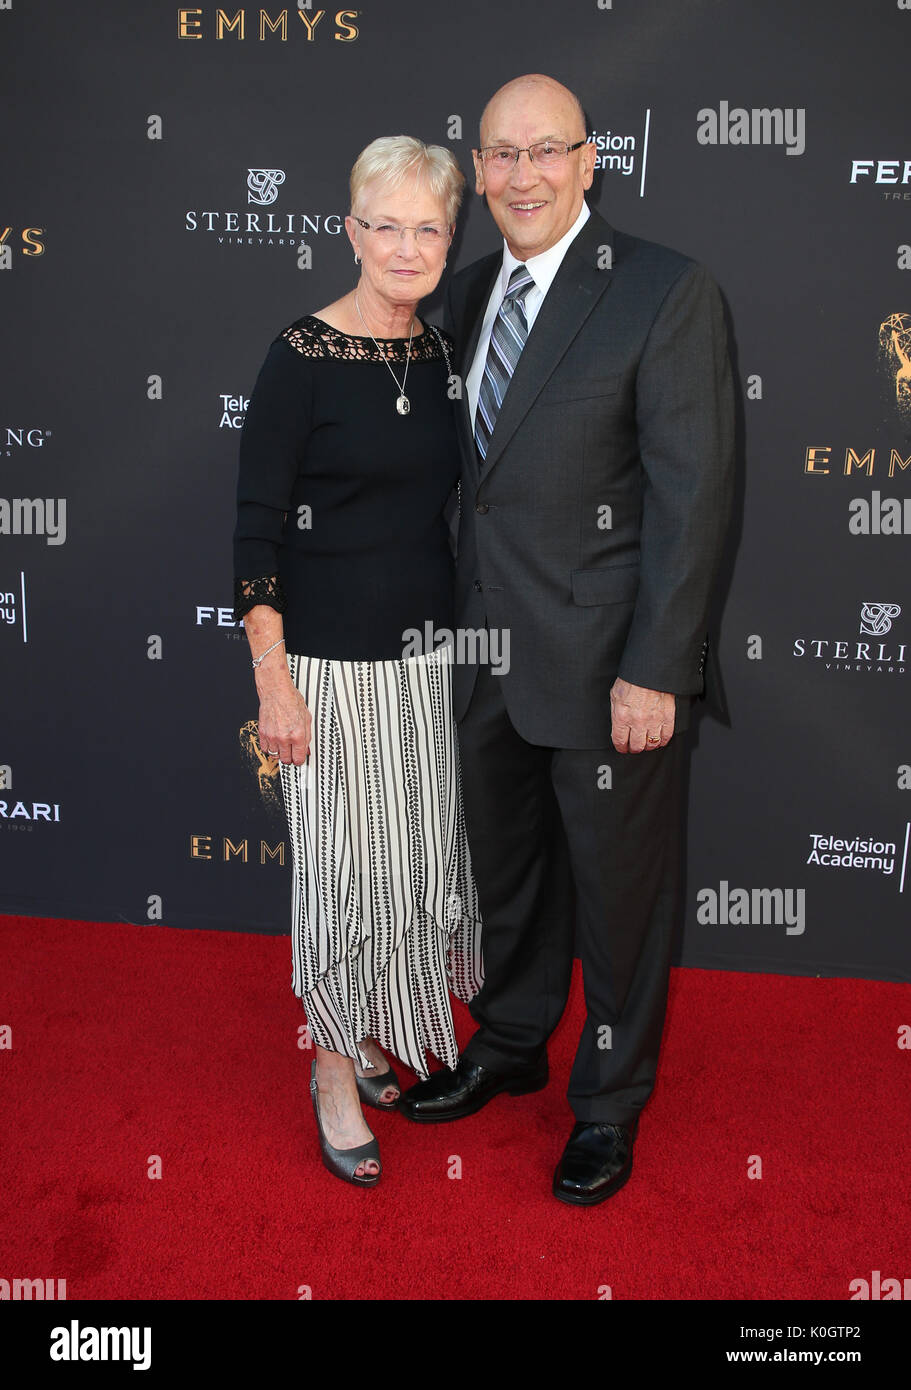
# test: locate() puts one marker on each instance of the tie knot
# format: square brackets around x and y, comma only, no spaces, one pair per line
[520,282]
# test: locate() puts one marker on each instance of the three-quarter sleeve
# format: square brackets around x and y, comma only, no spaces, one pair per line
[272,441]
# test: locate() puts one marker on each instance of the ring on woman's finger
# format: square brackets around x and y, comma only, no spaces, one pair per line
[652,739]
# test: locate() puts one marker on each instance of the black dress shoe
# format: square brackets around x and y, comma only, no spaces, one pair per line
[449,1095]
[596,1162]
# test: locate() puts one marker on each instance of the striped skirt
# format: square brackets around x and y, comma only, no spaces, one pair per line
[384,919]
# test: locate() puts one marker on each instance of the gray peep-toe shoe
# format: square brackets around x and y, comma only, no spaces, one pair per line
[370,1088]
[343,1163]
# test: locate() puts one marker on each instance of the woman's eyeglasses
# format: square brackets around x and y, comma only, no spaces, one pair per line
[428,234]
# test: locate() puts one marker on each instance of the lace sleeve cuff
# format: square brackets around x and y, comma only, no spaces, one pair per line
[250,592]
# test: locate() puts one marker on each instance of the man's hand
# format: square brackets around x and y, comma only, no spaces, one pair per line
[641,720]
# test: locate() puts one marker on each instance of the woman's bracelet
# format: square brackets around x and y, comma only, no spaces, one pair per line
[262,655]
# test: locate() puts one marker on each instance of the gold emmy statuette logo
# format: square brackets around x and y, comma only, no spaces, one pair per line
[895,346]
[266,769]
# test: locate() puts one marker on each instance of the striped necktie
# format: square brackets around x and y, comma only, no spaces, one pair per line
[507,339]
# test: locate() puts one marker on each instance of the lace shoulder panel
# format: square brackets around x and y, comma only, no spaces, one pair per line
[312,337]
[267,589]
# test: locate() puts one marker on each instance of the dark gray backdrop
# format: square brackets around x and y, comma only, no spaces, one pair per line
[139,761]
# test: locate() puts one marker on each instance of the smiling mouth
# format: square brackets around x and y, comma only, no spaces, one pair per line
[527,207]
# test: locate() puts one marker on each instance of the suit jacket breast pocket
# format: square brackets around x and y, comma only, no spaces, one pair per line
[579,389]
[612,584]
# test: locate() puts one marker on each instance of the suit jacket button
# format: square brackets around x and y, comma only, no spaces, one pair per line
[479,586]
[482,508]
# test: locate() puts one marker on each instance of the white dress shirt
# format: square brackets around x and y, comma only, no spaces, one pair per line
[542,268]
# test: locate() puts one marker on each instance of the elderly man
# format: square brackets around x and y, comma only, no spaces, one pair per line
[597,449]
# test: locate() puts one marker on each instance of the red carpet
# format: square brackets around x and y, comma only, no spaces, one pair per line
[135,1042]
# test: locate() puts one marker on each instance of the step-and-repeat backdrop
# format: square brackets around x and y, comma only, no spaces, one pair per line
[173,183]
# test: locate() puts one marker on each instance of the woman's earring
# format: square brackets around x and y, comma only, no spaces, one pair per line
[357,259]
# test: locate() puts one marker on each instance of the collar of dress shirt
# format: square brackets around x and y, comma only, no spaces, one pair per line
[544,267]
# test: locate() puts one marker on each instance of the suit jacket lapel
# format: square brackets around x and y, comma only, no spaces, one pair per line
[576,289]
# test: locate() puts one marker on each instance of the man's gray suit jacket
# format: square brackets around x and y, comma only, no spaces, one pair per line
[593,530]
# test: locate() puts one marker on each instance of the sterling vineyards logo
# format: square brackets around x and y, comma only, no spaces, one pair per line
[21,437]
[262,185]
[876,618]
[868,657]
[261,228]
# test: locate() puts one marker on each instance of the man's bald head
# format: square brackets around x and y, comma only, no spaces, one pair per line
[533,203]
[542,91]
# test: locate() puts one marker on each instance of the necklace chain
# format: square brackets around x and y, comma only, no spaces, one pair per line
[403,405]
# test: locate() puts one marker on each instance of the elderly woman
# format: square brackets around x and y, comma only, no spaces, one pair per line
[348,459]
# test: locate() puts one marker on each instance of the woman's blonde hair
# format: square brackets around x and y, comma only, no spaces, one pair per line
[393,158]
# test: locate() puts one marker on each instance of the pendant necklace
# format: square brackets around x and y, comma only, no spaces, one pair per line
[403,404]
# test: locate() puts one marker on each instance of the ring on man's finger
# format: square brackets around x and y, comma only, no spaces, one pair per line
[652,739]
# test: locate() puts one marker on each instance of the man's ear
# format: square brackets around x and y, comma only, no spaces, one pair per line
[478,174]
[588,154]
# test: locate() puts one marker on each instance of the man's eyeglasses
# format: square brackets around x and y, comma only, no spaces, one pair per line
[545,154]
[388,233]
